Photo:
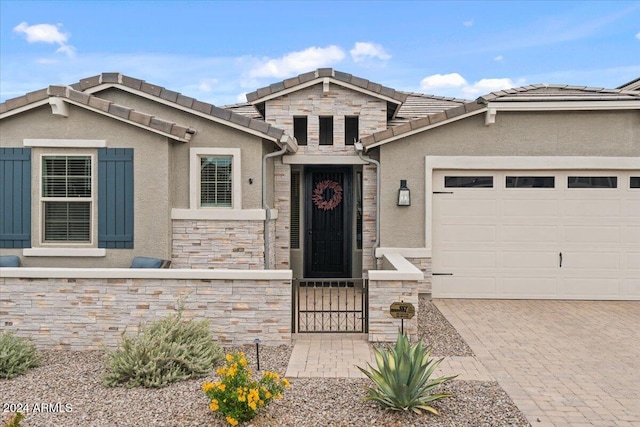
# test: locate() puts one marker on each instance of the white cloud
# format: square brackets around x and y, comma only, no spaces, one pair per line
[207,85]
[298,62]
[468,23]
[442,81]
[498,58]
[455,85]
[638,36]
[46,33]
[365,50]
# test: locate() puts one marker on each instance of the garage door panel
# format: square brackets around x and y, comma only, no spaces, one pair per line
[468,233]
[461,208]
[529,259]
[519,287]
[585,287]
[461,259]
[533,234]
[590,260]
[599,208]
[531,208]
[506,242]
[633,261]
[464,287]
[592,234]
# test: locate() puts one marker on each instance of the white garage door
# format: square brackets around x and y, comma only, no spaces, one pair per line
[548,234]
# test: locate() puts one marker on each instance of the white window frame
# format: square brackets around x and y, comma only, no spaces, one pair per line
[194,176]
[92,243]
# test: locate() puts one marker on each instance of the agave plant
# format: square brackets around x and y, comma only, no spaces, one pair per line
[403,378]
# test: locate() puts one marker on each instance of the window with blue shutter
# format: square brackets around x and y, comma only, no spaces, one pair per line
[15,197]
[115,198]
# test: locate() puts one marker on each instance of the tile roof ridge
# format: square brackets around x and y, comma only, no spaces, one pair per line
[321,73]
[111,108]
[438,97]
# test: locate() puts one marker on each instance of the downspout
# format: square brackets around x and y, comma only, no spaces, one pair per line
[359,149]
[265,206]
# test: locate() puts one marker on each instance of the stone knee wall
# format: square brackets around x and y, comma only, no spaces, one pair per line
[206,244]
[382,293]
[84,314]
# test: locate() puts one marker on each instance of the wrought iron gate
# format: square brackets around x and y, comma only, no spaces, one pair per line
[329,305]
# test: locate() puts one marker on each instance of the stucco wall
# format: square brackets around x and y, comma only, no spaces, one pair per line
[85,313]
[209,134]
[603,133]
[152,227]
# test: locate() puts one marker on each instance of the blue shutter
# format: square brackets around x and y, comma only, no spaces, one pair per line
[115,198]
[15,197]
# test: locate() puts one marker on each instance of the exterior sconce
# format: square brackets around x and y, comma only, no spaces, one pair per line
[404,194]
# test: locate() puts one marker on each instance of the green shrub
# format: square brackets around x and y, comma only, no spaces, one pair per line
[14,420]
[237,396]
[17,355]
[402,380]
[167,350]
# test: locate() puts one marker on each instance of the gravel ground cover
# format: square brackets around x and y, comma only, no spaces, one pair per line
[66,391]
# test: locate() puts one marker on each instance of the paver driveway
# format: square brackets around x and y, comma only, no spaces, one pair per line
[562,362]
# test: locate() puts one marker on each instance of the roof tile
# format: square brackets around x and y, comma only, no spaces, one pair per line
[473,106]
[57,90]
[161,125]
[89,82]
[259,125]
[345,77]
[179,131]
[169,95]
[306,77]
[221,113]
[18,102]
[203,107]
[240,120]
[276,87]
[438,117]
[81,97]
[99,103]
[360,82]
[185,101]
[419,123]
[3,108]
[131,82]
[384,134]
[275,132]
[403,128]
[325,72]
[289,83]
[142,118]
[37,95]
[454,112]
[151,89]
[265,91]
[119,110]
[111,77]
[251,96]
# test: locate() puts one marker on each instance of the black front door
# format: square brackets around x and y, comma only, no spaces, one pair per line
[327,222]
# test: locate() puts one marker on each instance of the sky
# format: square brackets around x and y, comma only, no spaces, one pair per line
[217,51]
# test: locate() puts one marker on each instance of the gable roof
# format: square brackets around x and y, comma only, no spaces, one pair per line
[538,97]
[160,94]
[394,98]
[422,105]
[632,85]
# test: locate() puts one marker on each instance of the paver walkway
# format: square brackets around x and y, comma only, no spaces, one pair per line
[337,355]
[564,363]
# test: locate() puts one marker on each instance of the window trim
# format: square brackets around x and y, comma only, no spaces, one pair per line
[93,241]
[194,176]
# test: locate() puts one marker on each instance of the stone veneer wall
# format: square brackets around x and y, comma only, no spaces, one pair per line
[81,314]
[424,265]
[338,102]
[281,239]
[205,244]
[382,293]
[368,216]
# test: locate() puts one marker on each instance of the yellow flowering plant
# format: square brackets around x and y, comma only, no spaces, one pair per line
[237,396]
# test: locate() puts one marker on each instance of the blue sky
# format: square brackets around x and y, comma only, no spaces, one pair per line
[218,51]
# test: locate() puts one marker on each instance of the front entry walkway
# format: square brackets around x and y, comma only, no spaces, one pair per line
[337,355]
[562,362]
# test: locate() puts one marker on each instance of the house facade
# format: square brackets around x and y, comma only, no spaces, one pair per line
[532,192]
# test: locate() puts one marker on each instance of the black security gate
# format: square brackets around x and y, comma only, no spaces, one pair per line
[330,305]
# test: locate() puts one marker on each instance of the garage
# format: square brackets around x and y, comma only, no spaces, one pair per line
[548,234]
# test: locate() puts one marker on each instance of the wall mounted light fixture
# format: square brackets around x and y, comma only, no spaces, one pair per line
[404,194]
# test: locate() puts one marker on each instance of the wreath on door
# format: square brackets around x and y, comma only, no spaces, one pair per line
[318,195]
